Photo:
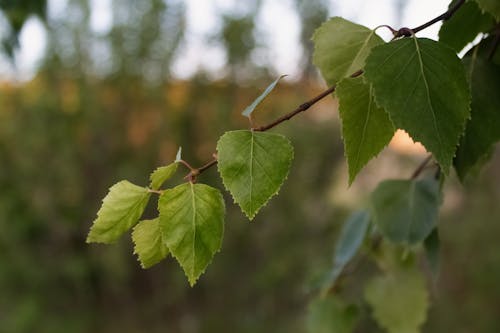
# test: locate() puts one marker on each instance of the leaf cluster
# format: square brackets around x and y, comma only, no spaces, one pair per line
[421,86]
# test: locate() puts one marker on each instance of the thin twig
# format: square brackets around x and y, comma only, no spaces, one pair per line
[421,167]
[301,108]
[191,176]
[405,32]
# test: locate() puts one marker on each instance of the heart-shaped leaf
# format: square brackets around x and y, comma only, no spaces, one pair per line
[422,85]
[253,166]
[192,225]
[406,211]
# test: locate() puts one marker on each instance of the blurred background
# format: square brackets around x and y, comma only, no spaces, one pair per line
[92,92]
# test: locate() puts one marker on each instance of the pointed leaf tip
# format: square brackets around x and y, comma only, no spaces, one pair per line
[192,225]
[366,128]
[121,209]
[248,111]
[422,85]
[178,156]
[253,166]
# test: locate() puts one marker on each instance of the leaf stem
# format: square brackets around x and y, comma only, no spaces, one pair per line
[421,167]
[403,32]
[301,108]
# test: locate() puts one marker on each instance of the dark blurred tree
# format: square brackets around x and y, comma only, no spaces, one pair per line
[17,13]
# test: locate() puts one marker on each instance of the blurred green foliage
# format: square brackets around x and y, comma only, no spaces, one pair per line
[84,123]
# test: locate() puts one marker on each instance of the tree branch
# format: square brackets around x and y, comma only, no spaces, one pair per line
[405,32]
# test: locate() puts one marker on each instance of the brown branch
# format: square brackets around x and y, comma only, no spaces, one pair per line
[403,32]
[191,176]
[303,107]
[406,32]
[421,167]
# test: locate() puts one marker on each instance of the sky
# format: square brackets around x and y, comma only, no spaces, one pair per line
[284,46]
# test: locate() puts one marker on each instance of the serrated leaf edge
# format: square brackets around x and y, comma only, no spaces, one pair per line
[146,197]
[192,280]
[135,245]
[248,214]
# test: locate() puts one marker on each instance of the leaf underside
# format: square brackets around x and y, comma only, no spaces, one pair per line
[406,211]
[422,85]
[366,128]
[249,109]
[341,47]
[464,26]
[192,225]
[483,129]
[351,237]
[253,166]
[121,209]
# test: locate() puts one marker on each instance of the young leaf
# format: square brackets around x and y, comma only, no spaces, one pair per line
[121,209]
[341,47]
[464,25]
[483,129]
[490,6]
[148,244]
[162,174]
[331,315]
[248,111]
[178,156]
[399,301]
[366,128]
[422,85]
[405,211]
[192,225]
[350,239]
[432,246]
[253,166]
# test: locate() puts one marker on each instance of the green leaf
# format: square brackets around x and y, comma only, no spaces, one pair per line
[192,225]
[432,246]
[490,6]
[399,301]
[406,211]
[148,244]
[331,315]
[178,156]
[341,47]
[120,210]
[253,166]
[248,111]
[422,85]
[483,129]
[366,128]
[162,174]
[350,239]
[464,25]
